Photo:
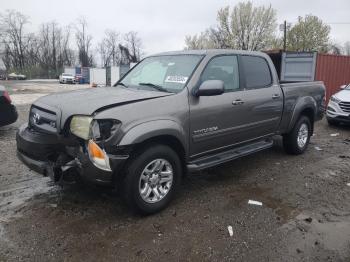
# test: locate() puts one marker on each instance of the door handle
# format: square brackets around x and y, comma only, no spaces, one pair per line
[237,102]
[275,96]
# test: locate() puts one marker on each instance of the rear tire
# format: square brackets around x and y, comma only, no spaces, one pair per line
[298,139]
[143,189]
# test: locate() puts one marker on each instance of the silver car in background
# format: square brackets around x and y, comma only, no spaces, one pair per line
[338,109]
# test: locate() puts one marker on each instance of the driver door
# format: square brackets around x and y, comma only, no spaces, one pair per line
[214,119]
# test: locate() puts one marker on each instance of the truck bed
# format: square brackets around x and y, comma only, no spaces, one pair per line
[295,94]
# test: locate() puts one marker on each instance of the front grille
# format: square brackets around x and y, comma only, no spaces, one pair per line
[41,119]
[345,106]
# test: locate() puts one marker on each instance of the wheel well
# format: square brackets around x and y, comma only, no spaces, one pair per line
[308,112]
[168,140]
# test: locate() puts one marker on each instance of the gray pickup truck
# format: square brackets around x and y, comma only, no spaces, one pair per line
[173,113]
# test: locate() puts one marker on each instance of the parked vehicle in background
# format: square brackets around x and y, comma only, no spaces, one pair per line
[14,76]
[173,112]
[338,110]
[78,78]
[66,78]
[8,112]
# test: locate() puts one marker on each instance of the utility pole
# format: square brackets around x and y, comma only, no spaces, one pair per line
[285,36]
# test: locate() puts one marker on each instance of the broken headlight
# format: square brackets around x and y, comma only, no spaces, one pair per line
[86,127]
[102,129]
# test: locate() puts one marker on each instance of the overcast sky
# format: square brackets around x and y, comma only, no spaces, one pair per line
[162,24]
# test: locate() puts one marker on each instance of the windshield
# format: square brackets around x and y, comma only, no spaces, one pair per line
[67,75]
[162,73]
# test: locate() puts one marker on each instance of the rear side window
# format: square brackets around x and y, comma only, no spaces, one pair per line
[223,68]
[257,72]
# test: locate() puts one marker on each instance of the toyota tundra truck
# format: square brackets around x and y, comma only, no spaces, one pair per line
[174,113]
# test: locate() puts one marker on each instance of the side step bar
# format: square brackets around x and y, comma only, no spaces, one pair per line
[222,157]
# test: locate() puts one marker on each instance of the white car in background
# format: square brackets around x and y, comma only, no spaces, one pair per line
[338,109]
[14,76]
[66,78]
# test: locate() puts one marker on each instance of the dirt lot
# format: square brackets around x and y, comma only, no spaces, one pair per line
[305,214]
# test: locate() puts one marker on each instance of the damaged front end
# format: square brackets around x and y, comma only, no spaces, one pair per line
[80,150]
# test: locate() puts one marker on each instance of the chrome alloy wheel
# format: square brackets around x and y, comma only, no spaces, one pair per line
[303,135]
[156,180]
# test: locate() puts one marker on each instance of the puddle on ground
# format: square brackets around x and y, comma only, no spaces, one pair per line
[305,232]
[15,197]
[308,232]
[243,193]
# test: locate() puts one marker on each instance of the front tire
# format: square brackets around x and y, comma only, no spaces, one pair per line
[298,139]
[152,178]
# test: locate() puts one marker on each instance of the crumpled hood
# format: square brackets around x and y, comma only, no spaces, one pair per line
[88,101]
[343,95]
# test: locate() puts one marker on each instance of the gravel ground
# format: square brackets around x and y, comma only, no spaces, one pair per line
[305,212]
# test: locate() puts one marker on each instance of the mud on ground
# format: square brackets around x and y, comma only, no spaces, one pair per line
[305,214]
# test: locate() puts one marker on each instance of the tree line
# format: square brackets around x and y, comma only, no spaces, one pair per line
[249,27]
[46,52]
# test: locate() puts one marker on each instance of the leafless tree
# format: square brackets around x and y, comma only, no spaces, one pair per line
[83,40]
[132,48]
[335,49]
[14,38]
[115,50]
[112,41]
[346,48]
[54,48]
[102,50]
[108,49]
[46,52]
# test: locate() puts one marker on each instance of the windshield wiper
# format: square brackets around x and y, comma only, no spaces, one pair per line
[157,87]
[122,84]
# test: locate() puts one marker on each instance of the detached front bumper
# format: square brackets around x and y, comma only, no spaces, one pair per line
[48,155]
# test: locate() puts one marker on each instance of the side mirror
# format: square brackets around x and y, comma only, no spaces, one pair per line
[210,88]
[343,86]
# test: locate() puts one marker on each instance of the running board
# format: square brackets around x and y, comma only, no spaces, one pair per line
[217,159]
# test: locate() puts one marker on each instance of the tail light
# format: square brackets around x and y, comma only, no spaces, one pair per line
[7,96]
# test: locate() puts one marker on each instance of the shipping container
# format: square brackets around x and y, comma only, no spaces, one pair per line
[334,71]
[294,66]
[78,70]
[98,76]
[69,70]
[85,72]
[114,73]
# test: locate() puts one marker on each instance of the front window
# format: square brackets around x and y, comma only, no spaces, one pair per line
[223,68]
[168,73]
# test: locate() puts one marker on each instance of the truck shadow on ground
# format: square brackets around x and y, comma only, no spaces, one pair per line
[237,180]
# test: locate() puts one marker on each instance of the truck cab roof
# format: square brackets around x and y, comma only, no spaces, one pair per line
[212,52]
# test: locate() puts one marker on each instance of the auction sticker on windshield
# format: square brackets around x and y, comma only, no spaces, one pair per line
[176,79]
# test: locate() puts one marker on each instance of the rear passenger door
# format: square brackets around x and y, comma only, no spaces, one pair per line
[262,98]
